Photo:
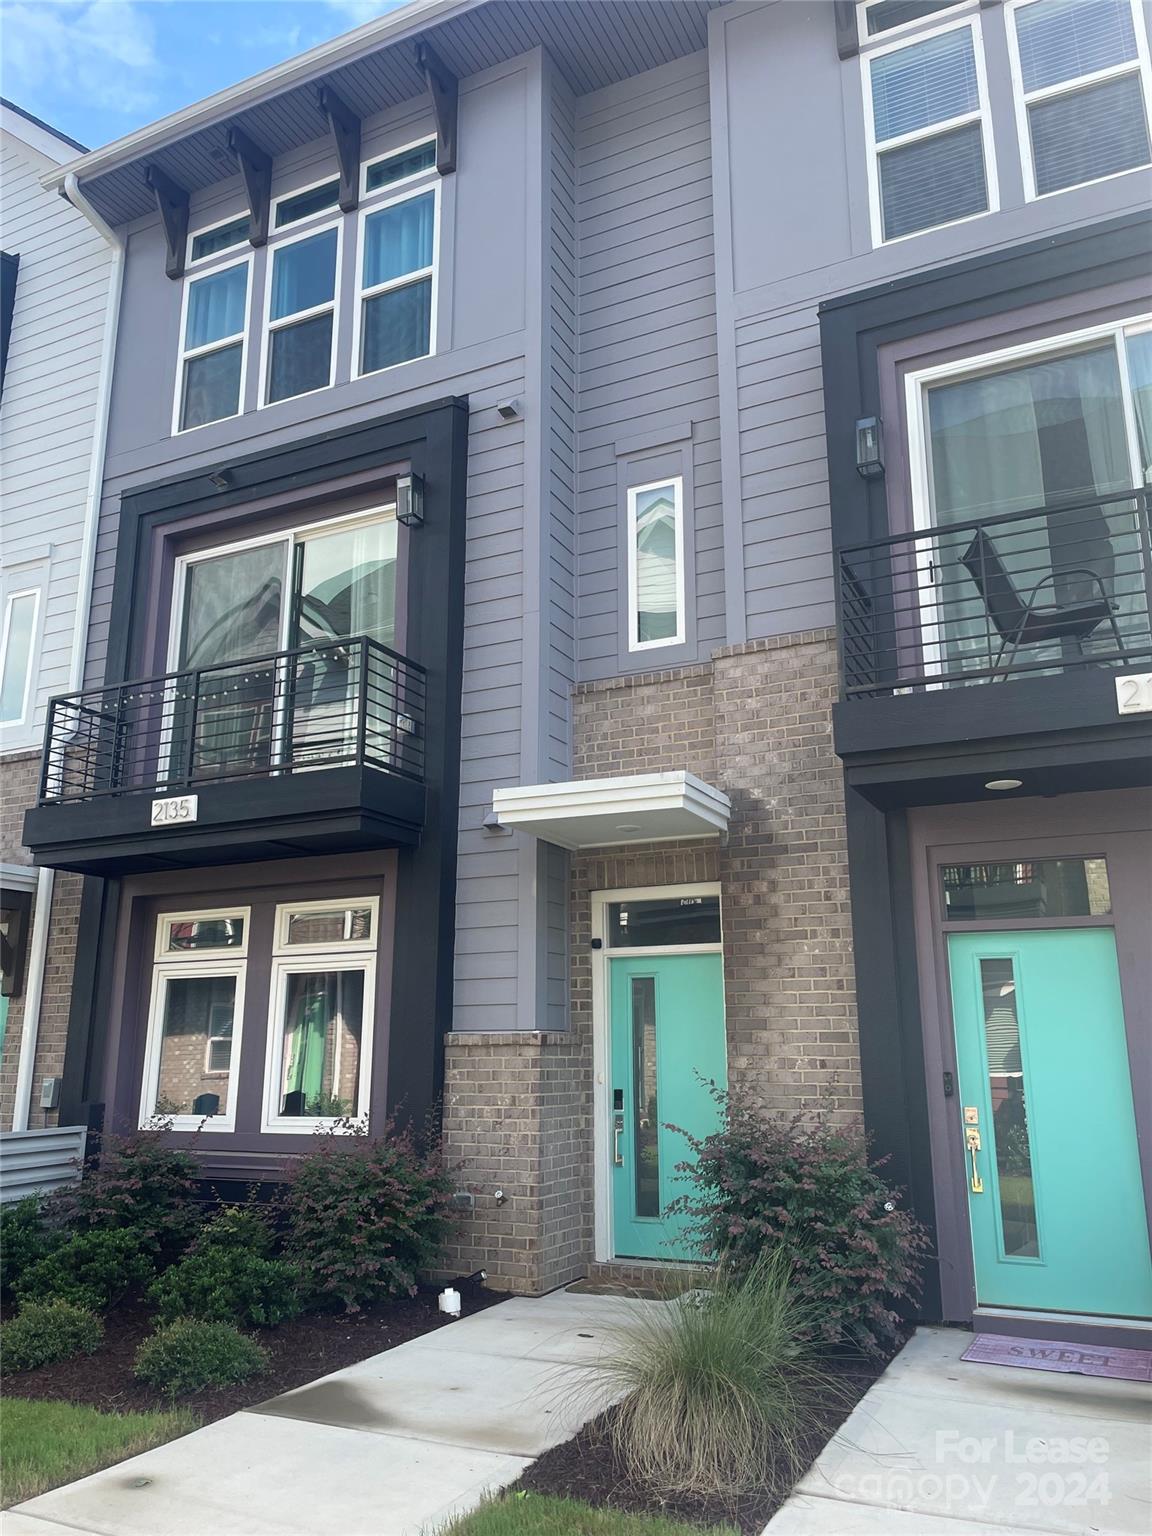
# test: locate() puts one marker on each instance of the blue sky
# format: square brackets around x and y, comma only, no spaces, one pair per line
[96,69]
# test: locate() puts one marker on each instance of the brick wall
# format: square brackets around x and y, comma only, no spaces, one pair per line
[756,722]
[18,781]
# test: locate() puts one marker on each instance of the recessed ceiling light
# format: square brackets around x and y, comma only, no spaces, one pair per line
[628,826]
[1003,783]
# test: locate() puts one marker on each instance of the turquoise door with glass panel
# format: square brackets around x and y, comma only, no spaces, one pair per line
[1050,1152]
[667,1053]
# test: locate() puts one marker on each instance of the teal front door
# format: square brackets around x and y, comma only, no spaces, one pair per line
[1051,1162]
[667,1051]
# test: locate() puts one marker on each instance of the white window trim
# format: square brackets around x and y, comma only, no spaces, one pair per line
[15,724]
[634,492]
[906,28]
[982,115]
[334,958]
[1022,100]
[206,229]
[917,384]
[401,182]
[161,975]
[185,353]
[275,232]
[416,275]
[331,306]
[281,946]
[209,1069]
[165,920]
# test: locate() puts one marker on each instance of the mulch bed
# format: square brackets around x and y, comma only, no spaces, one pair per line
[301,1350]
[586,1467]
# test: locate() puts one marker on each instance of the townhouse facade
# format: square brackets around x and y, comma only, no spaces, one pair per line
[623,571]
[55,273]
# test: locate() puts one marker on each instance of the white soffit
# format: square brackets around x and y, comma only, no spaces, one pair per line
[596,813]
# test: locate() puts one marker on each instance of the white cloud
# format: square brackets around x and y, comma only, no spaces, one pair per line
[102,51]
[358,11]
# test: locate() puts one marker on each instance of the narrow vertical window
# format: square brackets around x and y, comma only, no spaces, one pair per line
[928,142]
[211,374]
[656,564]
[1082,87]
[17,644]
[302,315]
[397,279]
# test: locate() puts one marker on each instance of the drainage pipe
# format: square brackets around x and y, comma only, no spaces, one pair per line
[45,884]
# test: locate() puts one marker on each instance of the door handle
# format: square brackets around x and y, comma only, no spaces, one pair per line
[972,1146]
[617,1132]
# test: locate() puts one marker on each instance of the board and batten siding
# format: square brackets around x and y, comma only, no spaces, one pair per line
[48,413]
[647,340]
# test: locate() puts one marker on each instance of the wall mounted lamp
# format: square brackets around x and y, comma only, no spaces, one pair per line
[869,448]
[410,500]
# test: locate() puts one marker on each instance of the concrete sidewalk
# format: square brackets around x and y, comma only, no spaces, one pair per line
[939,1447]
[393,1446]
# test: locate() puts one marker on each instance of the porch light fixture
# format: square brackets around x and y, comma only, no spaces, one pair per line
[869,448]
[1004,784]
[410,500]
[220,478]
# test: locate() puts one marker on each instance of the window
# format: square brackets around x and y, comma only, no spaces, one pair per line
[305,203]
[400,165]
[320,1015]
[192,1055]
[886,15]
[218,237]
[1081,79]
[397,279]
[656,564]
[17,647]
[929,148]
[210,379]
[301,318]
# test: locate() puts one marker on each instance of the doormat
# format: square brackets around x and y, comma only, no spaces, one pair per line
[1053,1355]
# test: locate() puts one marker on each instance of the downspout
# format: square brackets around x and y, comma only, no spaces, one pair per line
[46,880]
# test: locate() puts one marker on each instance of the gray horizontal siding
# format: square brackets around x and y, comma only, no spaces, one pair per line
[783,474]
[647,332]
[37,1162]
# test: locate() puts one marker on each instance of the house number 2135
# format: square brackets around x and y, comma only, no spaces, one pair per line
[174,810]
[1134,694]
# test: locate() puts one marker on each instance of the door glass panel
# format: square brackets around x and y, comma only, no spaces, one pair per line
[1139,348]
[189,935]
[347,587]
[1027,888]
[646,1160]
[1009,1110]
[194,1072]
[323,1027]
[668,920]
[1045,435]
[232,606]
[333,925]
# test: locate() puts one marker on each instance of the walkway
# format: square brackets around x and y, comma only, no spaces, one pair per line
[939,1447]
[394,1445]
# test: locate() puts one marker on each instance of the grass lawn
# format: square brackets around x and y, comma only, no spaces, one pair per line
[46,1443]
[534,1514]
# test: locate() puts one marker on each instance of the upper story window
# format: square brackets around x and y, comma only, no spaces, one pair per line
[301,323]
[23,595]
[1081,80]
[878,16]
[397,281]
[656,605]
[926,117]
[213,331]
[293,291]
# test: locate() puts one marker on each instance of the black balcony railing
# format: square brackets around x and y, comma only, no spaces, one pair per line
[1041,591]
[331,704]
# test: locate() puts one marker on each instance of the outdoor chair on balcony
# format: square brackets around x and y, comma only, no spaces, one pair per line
[1020,621]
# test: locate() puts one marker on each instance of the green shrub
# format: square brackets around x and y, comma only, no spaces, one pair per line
[227,1285]
[140,1183]
[91,1269]
[239,1227]
[765,1182]
[719,1386]
[47,1331]
[366,1215]
[24,1240]
[188,1356]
